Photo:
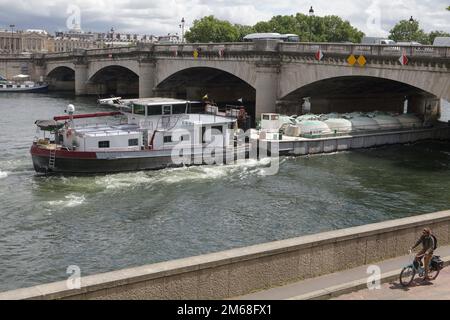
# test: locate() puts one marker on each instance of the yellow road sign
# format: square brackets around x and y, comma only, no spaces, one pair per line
[362,61]
[351,60]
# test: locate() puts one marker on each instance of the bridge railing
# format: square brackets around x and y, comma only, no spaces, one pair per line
[283,47]
[205,47]
[365,49]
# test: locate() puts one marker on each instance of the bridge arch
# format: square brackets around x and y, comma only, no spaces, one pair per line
[240,69]
[113,79]
[221,86]
[299,75]
[358,93]
[61,78]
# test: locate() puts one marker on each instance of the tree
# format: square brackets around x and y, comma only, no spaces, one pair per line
[243,31]
[406,30]
[433,34]
[210,29]
[312,28]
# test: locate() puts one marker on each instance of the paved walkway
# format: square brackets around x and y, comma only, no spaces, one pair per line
[300,289]
[438,289]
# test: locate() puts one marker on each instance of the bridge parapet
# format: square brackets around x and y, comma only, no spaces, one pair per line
[365,49]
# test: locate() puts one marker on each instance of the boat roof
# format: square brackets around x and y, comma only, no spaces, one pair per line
[106,130]
[160,101]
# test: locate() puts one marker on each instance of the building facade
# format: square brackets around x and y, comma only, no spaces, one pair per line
[27,41]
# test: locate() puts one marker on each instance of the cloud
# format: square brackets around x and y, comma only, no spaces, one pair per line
[374,17]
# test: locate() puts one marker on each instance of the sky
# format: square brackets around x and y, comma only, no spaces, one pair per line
[160,17]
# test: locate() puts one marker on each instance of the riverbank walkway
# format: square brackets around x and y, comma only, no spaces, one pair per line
[352,284]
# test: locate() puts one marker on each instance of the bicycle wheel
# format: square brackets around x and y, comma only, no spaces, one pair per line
[433,273]
[407,276]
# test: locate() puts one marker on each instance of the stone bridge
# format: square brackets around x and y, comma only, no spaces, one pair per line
[267,74]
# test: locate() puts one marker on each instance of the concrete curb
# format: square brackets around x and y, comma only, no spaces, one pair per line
[349,287]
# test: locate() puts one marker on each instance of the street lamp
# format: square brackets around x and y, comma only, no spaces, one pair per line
[411,20]
[112,36]
[12,26]
[182,29]
[311,14]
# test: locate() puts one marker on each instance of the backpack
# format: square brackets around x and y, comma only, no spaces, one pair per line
[434,242]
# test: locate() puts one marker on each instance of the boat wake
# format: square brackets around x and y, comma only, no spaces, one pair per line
[150,179]
[70,201]
[3,174]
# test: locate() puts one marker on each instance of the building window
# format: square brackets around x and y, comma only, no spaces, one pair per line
[103,144]
[185,137]
[133,142]
[167,139]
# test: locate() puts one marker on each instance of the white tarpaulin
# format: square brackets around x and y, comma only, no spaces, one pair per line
[21,76]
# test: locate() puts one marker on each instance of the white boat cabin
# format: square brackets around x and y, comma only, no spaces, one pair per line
[152,124]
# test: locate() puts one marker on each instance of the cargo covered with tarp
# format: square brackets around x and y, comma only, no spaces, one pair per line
[49,125]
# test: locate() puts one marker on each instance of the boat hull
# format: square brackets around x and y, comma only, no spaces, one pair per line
[36,89]
[70,162]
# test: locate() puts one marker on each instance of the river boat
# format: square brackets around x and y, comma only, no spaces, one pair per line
[151,133]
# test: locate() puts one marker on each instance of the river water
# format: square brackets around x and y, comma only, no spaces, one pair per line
[107,222]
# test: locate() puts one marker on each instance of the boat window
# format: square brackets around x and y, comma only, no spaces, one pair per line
[103,144]
[179,109]
[214,129]
[138,109]
[275,117]
[166,109]
[167,139]
[9,86]
[266,117]
[185,137]
[133,142]
[153,110]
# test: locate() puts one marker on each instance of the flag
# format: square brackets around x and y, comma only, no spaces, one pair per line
[403,59]
[241,100]
[319,55]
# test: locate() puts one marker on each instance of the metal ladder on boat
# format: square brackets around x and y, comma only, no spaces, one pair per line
[52,159]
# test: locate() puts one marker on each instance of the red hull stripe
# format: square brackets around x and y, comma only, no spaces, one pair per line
[36,151]
[88,115]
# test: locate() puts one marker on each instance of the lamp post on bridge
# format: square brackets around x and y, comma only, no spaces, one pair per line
[182,29]
[311,15]
[12,26]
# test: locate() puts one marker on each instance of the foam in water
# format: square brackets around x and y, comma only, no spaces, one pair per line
[240,170]
[70,201]
[3,174]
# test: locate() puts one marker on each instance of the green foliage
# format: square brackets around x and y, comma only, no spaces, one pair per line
[210,29]
[433,34]
[308,28]
[406,30]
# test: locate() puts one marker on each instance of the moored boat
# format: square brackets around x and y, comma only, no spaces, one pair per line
[22,84]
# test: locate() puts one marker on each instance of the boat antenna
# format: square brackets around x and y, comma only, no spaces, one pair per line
[71,111]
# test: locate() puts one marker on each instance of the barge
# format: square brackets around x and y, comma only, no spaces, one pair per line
[147,134]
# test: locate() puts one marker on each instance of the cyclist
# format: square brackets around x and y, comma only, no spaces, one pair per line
[428,245]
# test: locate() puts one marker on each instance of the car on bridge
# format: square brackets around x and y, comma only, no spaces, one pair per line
[272,36]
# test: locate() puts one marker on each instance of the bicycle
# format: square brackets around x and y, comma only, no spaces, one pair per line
[416,267]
